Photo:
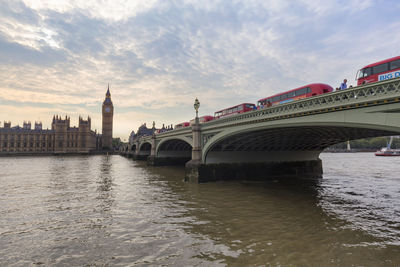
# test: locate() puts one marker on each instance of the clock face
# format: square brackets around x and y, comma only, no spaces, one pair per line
[107,109]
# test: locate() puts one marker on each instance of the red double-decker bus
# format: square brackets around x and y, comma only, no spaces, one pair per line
[379,71]
[241,108]
[182,125]
[202,119]
[295,94]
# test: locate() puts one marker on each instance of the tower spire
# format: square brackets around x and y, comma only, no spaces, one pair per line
[108,91]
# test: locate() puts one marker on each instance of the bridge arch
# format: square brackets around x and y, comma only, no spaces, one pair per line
[269,142]
[144,150]
[174,147]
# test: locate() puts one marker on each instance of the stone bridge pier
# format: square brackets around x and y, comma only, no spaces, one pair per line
[234,158]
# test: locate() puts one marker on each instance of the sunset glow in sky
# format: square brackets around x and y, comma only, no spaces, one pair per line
[57,57]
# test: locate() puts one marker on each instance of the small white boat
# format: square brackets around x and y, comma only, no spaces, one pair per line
[387,151]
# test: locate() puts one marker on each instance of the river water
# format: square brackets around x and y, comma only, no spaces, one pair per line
[112,211]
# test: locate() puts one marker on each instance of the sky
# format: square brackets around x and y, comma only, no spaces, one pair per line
[58,57]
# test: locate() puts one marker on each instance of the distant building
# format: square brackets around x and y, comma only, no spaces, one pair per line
[131,137]
[61,138]
[144,131]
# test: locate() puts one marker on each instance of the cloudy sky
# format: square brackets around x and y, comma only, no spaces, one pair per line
[57,57]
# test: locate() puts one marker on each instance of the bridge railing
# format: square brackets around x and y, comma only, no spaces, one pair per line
[176,131]
[355,97]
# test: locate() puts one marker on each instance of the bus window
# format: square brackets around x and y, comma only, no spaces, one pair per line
[302,91]
[395,64]
[292,94]
[240,107]
[380,68]
[365,72]
[308,90]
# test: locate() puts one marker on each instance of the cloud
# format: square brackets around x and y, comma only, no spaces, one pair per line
[113,10]
[159,55]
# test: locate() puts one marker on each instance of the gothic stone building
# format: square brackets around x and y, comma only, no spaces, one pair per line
[60,139]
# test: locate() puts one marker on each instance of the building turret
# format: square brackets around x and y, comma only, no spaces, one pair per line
[84,124]
[38,125]
[27,125]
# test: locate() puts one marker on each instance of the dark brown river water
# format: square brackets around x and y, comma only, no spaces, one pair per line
[112,211]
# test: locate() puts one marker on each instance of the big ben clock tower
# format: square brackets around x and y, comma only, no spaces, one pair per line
[108,112]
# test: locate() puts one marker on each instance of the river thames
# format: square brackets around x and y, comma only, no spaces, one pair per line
[112,211]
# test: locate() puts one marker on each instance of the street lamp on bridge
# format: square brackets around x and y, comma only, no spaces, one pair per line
[196,106]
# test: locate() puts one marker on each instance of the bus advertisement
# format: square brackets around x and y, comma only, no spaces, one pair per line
[379,71]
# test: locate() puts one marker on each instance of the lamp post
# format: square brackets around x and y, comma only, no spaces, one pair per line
[195,162]
[196,106]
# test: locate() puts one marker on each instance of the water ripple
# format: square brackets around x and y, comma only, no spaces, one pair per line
[112,211]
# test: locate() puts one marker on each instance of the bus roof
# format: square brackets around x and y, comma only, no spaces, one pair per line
[235,106]
[308,85]
[381,62]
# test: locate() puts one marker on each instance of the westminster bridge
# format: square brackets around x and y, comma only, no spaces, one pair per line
[282,140]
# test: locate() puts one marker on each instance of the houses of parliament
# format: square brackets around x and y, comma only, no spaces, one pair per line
[61,138]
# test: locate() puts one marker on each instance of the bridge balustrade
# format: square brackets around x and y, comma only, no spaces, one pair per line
[356,97]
